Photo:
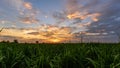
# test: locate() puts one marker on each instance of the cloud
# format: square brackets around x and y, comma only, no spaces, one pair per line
[34,33]
[20,5]
[48,33]
[77,12]
[59,15]
[29,20]
[23,11]
[28,5]
[28,14]
[77,16]
[109,14]
[94,12]
[90,16]
[72,6]
[10,38]
[51,33]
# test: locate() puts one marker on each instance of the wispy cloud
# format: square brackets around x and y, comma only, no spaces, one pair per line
[23,10]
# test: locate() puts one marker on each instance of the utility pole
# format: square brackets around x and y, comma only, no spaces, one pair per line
[81,38]
[81,35]
[118,37]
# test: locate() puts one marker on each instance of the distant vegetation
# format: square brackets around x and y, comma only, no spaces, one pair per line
[89,55]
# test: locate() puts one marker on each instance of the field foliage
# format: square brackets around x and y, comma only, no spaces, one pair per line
[88,55]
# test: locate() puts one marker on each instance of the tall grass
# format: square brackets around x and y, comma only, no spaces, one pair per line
[89,55]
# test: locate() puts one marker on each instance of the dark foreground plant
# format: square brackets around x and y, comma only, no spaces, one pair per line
[14,55]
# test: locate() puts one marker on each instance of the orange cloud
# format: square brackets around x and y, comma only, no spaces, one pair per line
[27,5]
[76,14]
[83,15]
[27,13]
[29,20]
[50,35]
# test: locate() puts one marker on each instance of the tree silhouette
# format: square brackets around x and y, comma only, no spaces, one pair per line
[8,41]
[3,41]
[37,42]
[15,41]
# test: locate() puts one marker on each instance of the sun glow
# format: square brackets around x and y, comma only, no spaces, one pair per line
[55,40]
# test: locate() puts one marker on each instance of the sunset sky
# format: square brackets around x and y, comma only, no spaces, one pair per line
[60,20]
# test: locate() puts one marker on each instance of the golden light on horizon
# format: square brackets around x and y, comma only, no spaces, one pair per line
[53,34]
[54,40]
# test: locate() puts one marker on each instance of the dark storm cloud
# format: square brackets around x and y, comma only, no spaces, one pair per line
[110,11]
[109,18]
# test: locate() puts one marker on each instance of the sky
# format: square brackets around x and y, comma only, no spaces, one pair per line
[60,20]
